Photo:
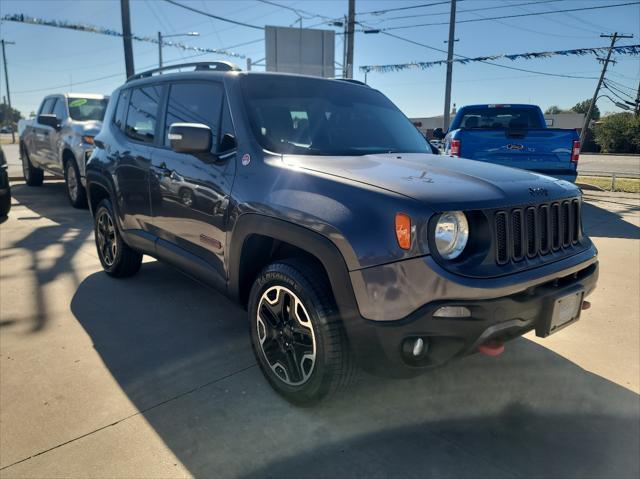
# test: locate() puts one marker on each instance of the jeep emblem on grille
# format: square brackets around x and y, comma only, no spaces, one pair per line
[514,146]
[538,191]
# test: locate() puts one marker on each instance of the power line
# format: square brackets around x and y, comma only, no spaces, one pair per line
[519,15]
[424,5]
[297,11]
[210,15]
[468,10]
[609,87]
[93,80]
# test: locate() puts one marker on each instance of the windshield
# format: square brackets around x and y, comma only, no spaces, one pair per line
[319,117]
[85,109]
[502,117]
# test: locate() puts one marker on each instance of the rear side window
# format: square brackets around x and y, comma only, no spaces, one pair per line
[59,110]
[142,114]
[47,106]
[195,103]
[121,109]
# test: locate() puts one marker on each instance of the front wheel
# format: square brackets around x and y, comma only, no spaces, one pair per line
[117,258]
[32,176]
[75,191]
[297,334]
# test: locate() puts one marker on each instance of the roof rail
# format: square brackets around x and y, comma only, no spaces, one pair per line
[351,80]
[220,66]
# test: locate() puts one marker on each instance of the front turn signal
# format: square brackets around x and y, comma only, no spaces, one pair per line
[403,230]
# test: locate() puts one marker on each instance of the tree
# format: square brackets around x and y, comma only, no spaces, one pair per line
[8,116]
[618,133]
[583,107]
[554,110]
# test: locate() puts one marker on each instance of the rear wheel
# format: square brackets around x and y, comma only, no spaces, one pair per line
[297,334]
[75,191]
[117,258]
[32,176]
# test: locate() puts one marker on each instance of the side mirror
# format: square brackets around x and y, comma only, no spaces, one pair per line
[190,137]
[49,120]
[438,133]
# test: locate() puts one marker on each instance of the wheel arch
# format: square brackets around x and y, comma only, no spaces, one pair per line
[97,190]
[258,240]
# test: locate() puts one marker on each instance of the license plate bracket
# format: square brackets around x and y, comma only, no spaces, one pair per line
[563,311]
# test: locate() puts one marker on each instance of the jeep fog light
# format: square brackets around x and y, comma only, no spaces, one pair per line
[451,234]
[452,312]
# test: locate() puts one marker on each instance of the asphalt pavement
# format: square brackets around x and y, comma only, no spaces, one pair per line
[153,376]
[625,164]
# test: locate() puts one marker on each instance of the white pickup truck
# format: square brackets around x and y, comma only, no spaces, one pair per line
[59,140]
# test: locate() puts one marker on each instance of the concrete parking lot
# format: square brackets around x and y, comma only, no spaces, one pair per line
[153,376]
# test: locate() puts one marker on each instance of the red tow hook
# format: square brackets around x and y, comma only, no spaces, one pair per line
[492,348]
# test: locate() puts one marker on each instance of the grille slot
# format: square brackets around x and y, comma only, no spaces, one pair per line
[517,236]
[532,230]
[545,228]
[502,253]
[536,230]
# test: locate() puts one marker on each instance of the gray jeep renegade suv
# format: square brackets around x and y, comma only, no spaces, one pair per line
[319,207]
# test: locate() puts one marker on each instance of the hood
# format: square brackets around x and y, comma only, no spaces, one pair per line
[89,128]
[442,182]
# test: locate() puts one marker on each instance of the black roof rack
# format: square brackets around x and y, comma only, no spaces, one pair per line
[220,66]
[351,80]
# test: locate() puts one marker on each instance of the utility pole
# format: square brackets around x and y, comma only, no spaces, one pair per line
[6,79]
[159,49]
[350,30]
[447,91]
[592,105]
[126,37]
[637,108]
[344,47]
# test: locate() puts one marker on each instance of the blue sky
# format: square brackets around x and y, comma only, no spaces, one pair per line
[53,60]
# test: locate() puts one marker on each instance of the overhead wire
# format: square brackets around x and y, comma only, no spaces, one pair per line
[211,15]
[396,9]
[467,10]
[519,15]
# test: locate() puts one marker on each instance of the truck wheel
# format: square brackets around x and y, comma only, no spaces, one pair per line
[117,258]
[297,336]
[75,191]
[32,176]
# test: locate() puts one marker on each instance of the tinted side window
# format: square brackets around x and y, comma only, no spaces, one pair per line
[195,103]
[143,113]
[121,109]
[47,106]
[60,109]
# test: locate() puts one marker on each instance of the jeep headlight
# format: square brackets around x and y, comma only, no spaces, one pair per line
[451,234]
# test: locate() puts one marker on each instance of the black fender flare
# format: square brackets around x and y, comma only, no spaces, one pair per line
[100,180]
[325,251]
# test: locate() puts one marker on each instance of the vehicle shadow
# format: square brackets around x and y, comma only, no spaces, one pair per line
[182,355]
[610,223]
[50,247]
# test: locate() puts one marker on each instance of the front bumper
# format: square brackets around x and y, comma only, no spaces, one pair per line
[378,345]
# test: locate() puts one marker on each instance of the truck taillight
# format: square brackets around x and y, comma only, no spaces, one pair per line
[575,152]
[455,148]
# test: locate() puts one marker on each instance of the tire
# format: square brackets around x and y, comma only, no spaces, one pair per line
[75,191]
[315,332]
[117,258]
[32,176]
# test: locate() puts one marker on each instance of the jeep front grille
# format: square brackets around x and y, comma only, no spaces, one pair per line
[536,230]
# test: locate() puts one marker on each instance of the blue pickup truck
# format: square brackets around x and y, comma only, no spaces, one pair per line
[512,135]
